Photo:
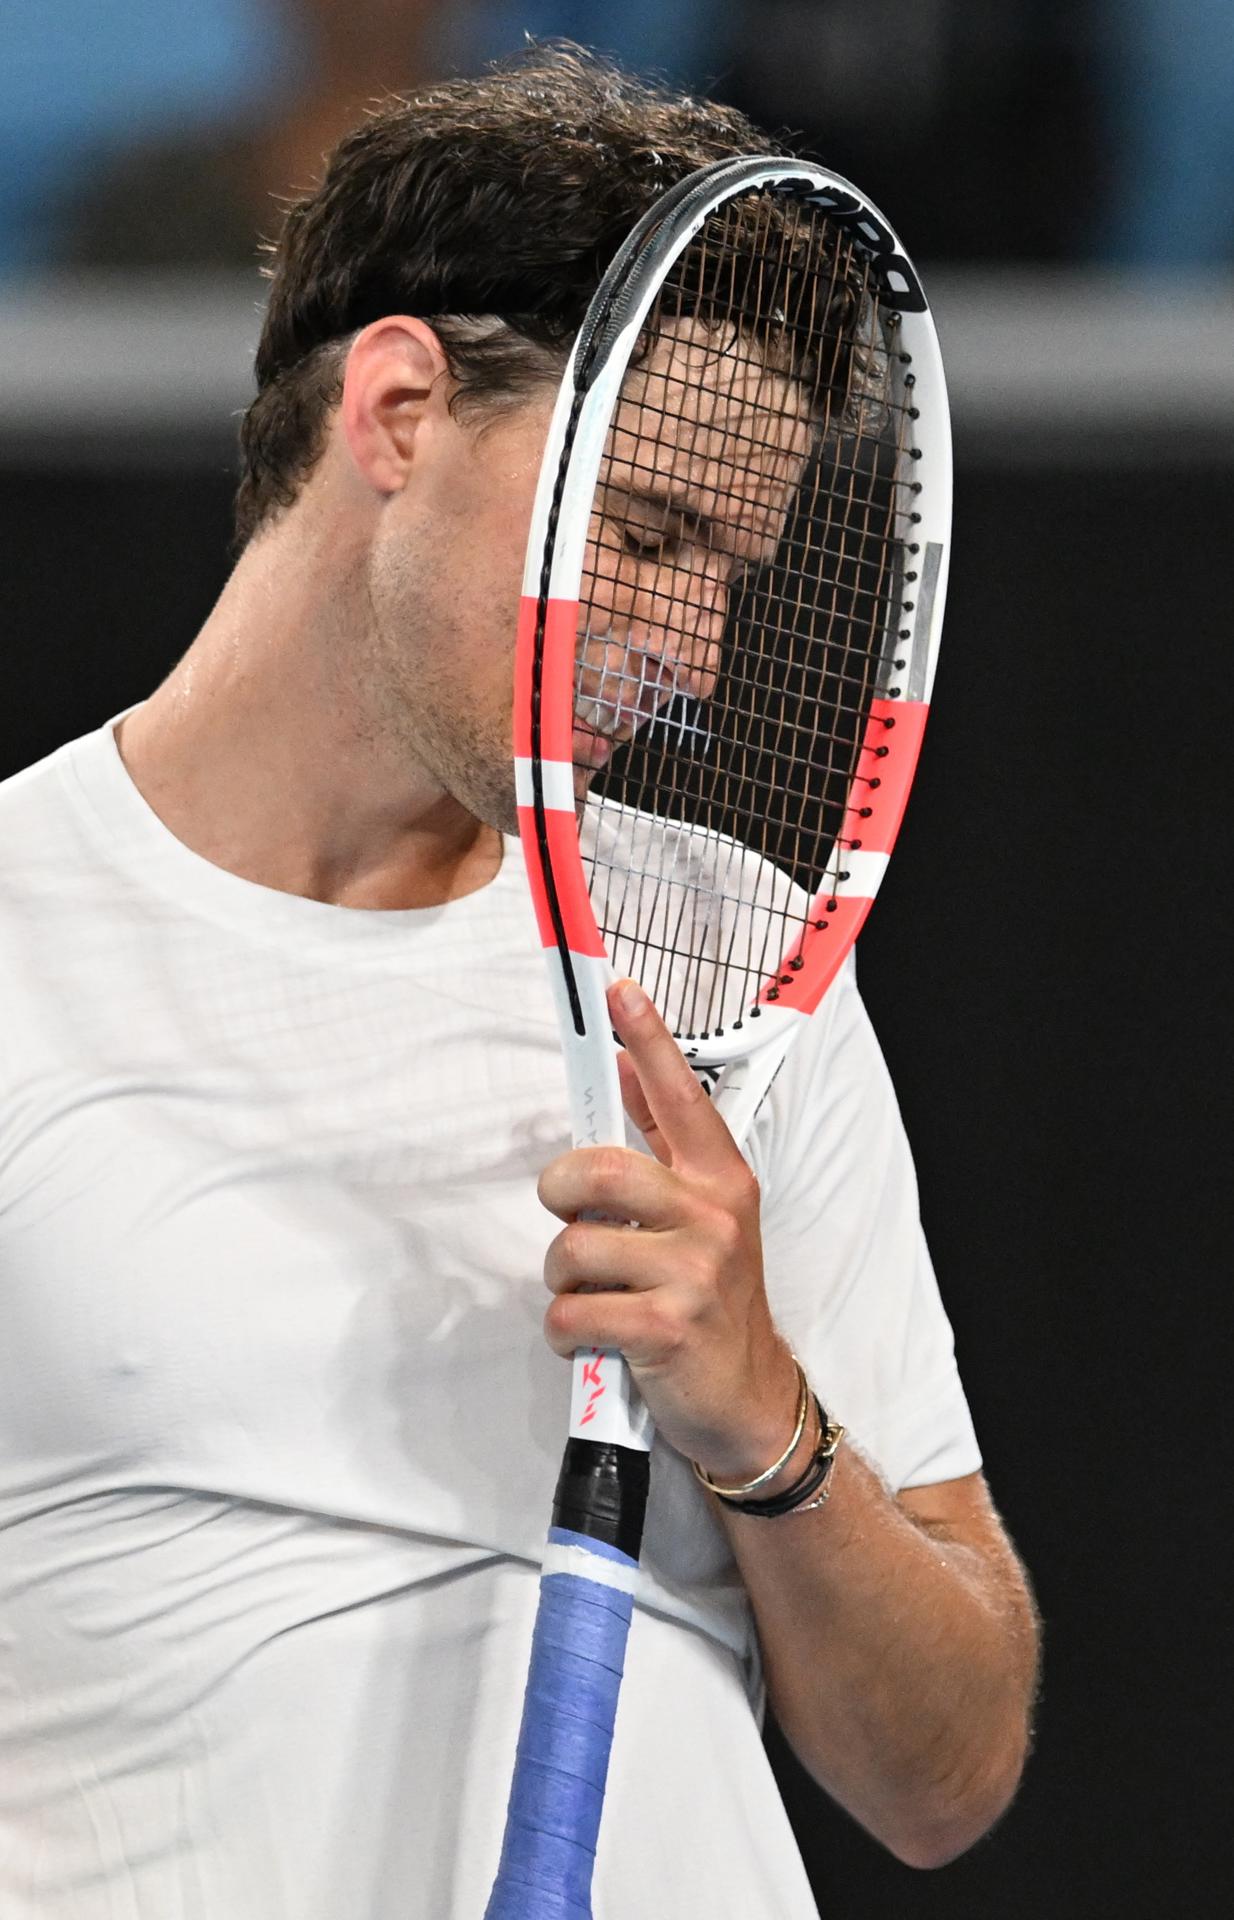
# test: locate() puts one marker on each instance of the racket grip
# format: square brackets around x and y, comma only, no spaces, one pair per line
[578,1653]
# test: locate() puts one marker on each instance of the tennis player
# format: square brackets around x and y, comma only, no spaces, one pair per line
[284,1169]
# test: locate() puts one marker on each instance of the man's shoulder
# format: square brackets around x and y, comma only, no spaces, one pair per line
[37,797]
[34,804]
[45,844]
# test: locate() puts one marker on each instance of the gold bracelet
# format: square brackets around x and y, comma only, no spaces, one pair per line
[803,1407]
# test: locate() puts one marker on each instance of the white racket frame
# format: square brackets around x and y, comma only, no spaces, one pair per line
[749,1061]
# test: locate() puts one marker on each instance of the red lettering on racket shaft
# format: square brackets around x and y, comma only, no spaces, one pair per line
[592,1377]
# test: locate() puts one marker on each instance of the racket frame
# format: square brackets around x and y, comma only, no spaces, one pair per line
[589,1573]
[604,1405]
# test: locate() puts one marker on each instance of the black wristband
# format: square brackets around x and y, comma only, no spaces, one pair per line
[801,1490]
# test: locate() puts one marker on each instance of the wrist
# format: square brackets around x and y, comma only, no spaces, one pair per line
[795,1482]
[797,1461]
[812,1487]
[773,1445]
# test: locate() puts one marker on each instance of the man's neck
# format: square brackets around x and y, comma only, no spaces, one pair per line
[259,755]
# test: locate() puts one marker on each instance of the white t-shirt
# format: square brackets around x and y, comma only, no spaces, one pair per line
[279,1428]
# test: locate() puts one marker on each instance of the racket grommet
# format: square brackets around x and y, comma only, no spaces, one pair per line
[773,993]
[875,782]
[880,753]
[915,518]
[914,413]
[754,1012]
[796,966]
[889,721]
[914,548]
[863,813]
[854,846]
[905,633]
[910,379]
[910,576]
[831,908]
[914,453]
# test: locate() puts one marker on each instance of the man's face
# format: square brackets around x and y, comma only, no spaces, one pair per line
[706,449]
[708,446]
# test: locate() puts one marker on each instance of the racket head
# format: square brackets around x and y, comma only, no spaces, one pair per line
[732,606]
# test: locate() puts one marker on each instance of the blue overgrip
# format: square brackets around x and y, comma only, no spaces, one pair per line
[557,1794]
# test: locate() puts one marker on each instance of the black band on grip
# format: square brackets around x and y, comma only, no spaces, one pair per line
[602,1493]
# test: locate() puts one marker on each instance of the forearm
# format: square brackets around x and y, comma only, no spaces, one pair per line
[900,1666]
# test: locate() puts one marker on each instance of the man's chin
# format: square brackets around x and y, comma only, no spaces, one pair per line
[500,808]
[503,818]
[494,803]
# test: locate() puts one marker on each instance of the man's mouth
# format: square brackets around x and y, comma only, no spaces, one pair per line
[607,723]
[590,749]
[619,689]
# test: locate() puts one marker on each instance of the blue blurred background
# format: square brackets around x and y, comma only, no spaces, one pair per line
[1047,969]
[144,132]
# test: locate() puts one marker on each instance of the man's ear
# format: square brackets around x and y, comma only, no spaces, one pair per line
[395,377]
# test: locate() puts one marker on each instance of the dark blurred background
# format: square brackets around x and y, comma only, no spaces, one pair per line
[1044,967]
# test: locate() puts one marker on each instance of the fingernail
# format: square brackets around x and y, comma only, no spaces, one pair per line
[630,998]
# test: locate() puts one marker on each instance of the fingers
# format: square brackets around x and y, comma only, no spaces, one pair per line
[679,1290]
[597,1255]
[680,1126]
[613,1181]
[633,1324]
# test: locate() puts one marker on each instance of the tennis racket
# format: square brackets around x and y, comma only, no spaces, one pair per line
[730,619]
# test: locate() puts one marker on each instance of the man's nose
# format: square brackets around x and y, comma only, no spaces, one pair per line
[693,626]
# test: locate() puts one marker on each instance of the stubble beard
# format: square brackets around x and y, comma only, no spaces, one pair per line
[477,770]
[461,737]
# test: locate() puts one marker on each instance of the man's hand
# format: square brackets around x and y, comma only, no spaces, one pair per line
[681,1294]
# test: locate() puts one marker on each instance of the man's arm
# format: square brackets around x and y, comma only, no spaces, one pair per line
[900,1646]
[899,1637]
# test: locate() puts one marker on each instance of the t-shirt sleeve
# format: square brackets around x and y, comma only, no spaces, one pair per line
[848,1272]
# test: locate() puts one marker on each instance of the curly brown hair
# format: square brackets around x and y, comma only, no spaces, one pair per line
[489,207]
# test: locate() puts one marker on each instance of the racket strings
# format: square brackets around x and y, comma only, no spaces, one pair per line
[737,603]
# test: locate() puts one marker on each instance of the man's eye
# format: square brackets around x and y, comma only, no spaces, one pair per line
[647,543]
